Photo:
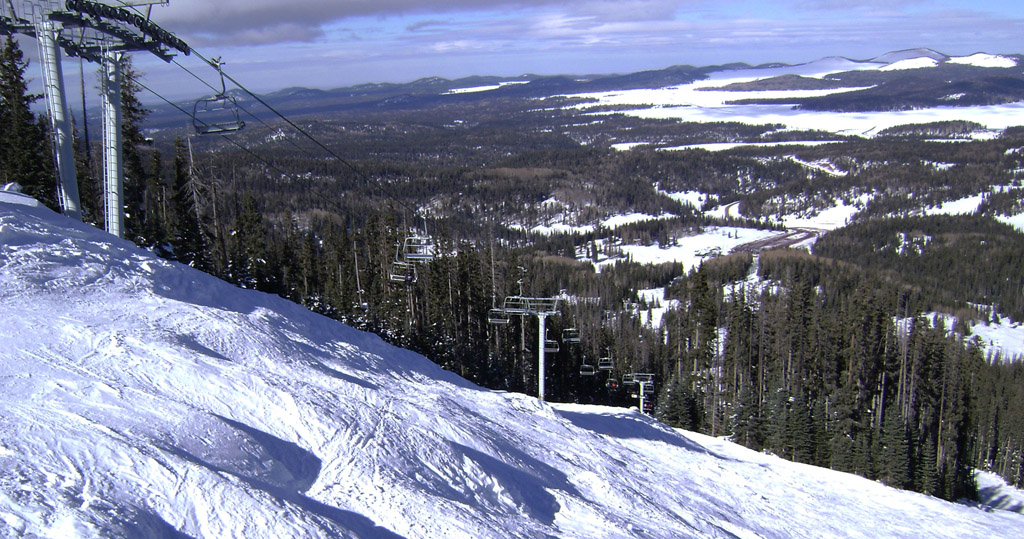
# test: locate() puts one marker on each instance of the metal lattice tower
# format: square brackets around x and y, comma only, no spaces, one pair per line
[101,33]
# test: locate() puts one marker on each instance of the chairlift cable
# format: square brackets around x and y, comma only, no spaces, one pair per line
[241,108]
[225,137]
[305,133]
[376,183]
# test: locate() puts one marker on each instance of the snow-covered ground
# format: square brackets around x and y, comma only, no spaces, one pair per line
[1005,337]
[657,306]
[610,222]
[830,218]
[688,250]
[706,101]
[141,398]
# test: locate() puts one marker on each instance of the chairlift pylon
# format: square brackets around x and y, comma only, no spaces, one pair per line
[217,114]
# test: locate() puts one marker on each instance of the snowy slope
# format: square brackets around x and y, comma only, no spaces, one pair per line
[140,398]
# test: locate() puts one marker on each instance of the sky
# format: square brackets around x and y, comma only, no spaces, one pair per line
[273,44]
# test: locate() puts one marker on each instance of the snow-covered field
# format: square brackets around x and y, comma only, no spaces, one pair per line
[706,101]
[689,250]
[141,398]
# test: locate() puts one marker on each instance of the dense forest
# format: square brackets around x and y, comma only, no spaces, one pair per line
[827,358]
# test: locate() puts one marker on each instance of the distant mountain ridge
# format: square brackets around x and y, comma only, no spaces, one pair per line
[899,89]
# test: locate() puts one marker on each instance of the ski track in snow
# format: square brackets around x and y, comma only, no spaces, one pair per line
[141,398]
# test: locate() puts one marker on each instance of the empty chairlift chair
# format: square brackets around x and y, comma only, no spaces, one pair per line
[587,370]
[570,336]
[497,317]
[418,249]
[605,364]
[516,305]
[217,114]
[550,346]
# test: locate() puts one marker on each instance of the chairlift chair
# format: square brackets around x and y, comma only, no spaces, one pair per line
[419,249]
[587,370]
[628,379]
[217,114]
[550,346]
[497,317]
[612,383]
[403,272]
[570,336]
[605,364]
[516,305]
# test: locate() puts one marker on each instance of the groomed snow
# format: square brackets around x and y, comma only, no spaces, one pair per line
[141,398]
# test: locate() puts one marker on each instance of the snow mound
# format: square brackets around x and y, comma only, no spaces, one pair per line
[141,398]
[911,63]
[984,60]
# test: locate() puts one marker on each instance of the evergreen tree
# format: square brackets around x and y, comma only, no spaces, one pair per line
[188,239]
[248,266]
[25,155]
[136,187]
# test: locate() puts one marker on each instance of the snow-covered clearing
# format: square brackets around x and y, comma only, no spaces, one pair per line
[688,250]
[830,218]
[964,206]
[1005,337]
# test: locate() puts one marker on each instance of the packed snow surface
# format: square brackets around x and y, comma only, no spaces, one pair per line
[141,398]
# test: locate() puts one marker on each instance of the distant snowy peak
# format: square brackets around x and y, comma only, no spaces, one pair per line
[909,54]
[984,60]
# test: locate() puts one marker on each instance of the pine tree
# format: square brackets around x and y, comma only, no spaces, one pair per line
[188,239]
[247,264]
[25,155]
[135,178]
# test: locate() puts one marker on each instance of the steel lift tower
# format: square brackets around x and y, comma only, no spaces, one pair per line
[541,308]
[102,33]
